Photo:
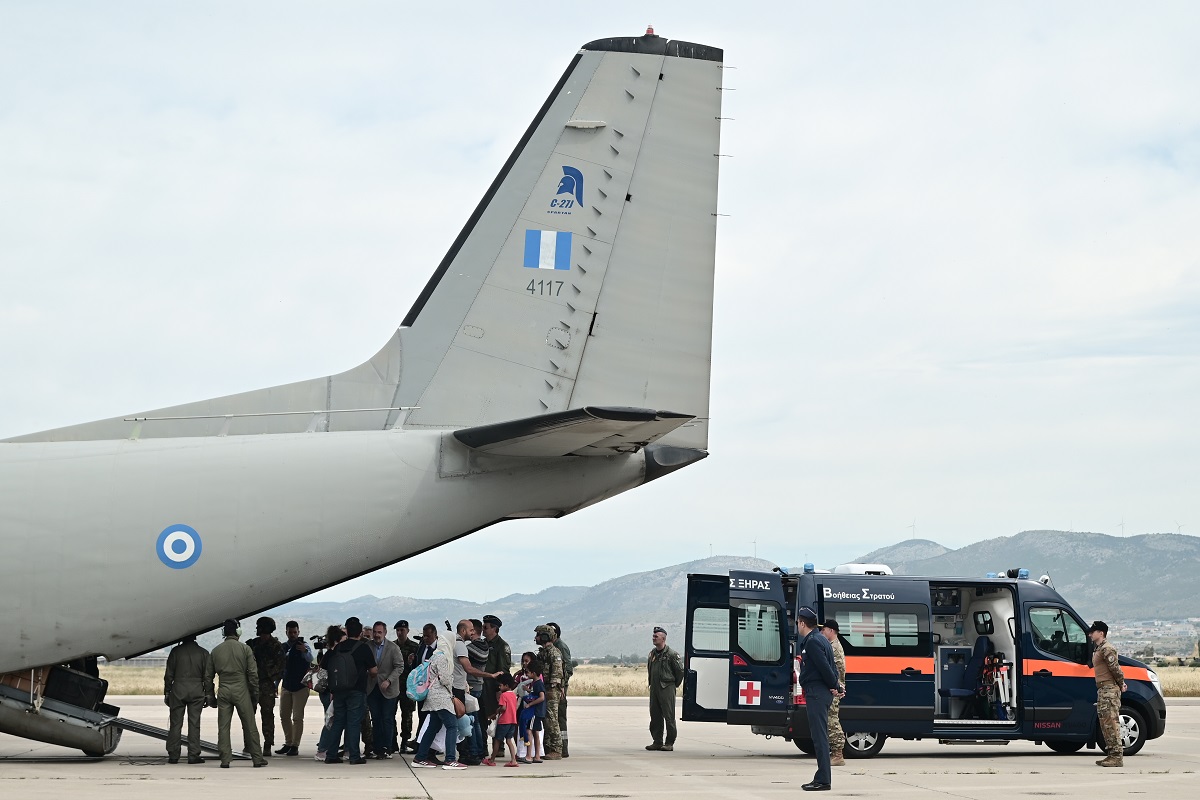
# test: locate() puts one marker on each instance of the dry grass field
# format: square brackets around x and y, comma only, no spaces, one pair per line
[595,680]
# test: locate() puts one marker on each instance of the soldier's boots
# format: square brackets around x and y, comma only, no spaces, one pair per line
[1112,761]
[552,756]
[654,746]
[666,748]
[836,759]
[565,754]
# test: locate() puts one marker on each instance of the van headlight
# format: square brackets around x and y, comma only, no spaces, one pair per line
[1156,682]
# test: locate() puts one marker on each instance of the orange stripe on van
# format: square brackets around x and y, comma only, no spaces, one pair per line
[1136,674]
[887,664]
[1059,669]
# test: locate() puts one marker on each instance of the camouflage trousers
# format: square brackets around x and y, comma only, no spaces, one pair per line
[837,738]
[551,736]
[1108,709]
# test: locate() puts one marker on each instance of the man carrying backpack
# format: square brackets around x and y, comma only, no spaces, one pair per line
[348,665]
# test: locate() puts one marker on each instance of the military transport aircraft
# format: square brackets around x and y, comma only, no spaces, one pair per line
[559,355]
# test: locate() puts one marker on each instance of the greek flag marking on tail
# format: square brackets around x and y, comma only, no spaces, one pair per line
[547,249]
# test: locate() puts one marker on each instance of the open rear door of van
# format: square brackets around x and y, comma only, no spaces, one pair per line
[706,649]
[760,677]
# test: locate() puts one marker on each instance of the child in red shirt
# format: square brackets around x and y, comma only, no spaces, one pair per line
[506,723]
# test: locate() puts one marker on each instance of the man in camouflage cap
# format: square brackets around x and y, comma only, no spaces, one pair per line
[553,678]
[664,672]
[568,671]
[1110,683]
[837,738]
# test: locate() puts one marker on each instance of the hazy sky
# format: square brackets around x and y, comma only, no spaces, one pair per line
[959,282]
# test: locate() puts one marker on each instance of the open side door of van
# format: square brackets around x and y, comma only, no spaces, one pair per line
[706,649]
[760,670]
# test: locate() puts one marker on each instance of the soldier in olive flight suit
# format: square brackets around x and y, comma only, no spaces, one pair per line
[552,676]
[664,672]
[233,662]
[187,686]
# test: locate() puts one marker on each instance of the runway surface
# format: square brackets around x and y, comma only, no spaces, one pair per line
[608,761]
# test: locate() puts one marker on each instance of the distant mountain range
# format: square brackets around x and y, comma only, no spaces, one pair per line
[1154,575]
[1103,577]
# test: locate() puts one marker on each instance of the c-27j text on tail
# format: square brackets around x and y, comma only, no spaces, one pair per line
[559,355]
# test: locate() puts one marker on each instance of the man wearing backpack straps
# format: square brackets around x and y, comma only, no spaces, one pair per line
[348,665]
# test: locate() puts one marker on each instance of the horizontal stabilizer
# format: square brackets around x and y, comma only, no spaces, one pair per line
[590,431]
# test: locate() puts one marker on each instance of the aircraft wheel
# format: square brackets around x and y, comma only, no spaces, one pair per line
[1064,747]
[804,746]
[863,745]
[1133,730]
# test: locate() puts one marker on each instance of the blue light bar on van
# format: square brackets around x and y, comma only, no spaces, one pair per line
[809,569]
[990,575]
[1023,574]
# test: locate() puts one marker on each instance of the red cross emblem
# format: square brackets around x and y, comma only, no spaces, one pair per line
[750,693]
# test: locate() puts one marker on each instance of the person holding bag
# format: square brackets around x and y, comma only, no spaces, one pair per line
[439,704]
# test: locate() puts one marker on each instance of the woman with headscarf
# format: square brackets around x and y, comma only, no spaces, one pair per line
[440,705]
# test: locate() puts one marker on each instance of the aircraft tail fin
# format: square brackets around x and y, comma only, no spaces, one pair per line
[585,276]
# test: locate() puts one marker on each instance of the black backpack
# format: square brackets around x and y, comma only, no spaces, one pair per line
[342,669]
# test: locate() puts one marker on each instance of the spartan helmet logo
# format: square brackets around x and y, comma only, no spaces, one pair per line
[571,183]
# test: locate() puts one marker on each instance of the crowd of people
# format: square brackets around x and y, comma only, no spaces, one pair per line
[455,692]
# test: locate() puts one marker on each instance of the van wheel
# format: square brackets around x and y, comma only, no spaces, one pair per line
[804,746]
[863,745]
[1064,747]
[1133,730]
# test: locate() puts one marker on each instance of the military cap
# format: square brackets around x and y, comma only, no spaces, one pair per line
[1099,625]
[230,626]
[832,624]
[661,630]
[265,625]
[806,613]
[401,624]
[546,629]
[493,620]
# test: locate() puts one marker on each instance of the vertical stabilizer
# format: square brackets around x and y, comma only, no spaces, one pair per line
[586,275]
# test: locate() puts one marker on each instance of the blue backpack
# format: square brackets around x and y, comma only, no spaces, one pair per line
[417,686]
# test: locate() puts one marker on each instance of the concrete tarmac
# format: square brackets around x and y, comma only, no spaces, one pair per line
[608,761]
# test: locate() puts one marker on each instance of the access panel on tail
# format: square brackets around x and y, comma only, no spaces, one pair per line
[583,278]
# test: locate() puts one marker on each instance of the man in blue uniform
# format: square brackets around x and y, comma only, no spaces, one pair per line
[819,679]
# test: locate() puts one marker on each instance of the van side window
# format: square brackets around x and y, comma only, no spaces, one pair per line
[900,629]
[710,629]
[1056,633]
[758,631]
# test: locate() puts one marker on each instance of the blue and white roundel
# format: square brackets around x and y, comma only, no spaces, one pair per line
[179,546]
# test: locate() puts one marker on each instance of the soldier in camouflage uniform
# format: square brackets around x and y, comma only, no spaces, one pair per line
[664,672]
[1110,683]
[233,663]
[406,706]
[568,671]
[553,678]
[837,738]
[269,660]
